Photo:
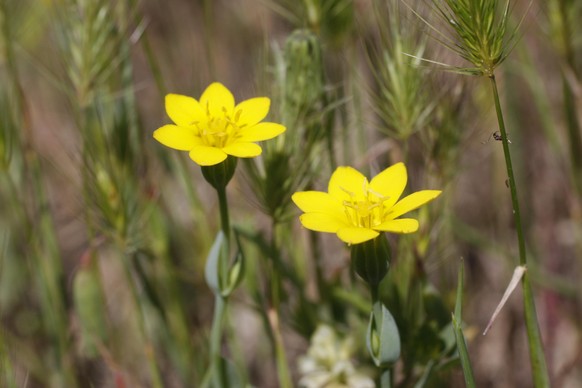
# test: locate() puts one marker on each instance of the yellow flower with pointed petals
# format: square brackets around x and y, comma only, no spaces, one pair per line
[358,210]
[214,127]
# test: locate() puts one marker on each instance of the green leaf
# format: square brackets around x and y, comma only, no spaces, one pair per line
[212,269]
[460,338]
[383,339]
[222,280]
[230,375]
[235,273]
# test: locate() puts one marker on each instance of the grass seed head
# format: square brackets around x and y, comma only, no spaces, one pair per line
[479,30]
[402,100]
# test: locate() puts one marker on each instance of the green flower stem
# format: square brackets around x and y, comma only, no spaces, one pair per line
[385,372]
[273,315]
[225,225]
[386,378]
[536,351]
[237,353]
[220,301]
[215,371]
[224,219]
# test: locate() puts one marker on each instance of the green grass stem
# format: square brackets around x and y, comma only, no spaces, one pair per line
[283,373]
[536,351]
[570,109]
[215,370]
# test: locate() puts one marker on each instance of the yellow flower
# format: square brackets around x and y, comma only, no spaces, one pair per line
[213,128]
[358,210]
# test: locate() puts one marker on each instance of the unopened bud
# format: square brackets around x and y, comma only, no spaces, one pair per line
[371,259]
[220,174]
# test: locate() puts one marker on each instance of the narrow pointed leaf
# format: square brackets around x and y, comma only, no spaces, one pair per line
[459,336]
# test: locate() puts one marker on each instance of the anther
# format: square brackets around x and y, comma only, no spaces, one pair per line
[237,115]
[351,194]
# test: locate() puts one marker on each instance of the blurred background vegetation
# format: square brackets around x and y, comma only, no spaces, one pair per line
[104,233]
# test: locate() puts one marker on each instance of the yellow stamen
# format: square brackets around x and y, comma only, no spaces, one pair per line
[367,213]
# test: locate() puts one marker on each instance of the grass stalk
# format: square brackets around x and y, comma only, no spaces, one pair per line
[7,375]
[50,272]
[570,110]
[283,373]
[536,351]
[574,133]
[156,379]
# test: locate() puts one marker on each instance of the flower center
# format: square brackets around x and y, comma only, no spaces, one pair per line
[366,211]
[217,131]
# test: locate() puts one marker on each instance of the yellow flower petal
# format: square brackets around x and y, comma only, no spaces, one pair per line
[251,111]
[321,222]
[243,150]
[207,156]
[318,202]
[356,235]
[217,100]
[178,138]
[412,201]
[347,181]
[390,183]
[401,225]
[183,110]
[261,131]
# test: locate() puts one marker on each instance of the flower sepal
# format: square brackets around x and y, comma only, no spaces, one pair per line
[371,259]
[220,174]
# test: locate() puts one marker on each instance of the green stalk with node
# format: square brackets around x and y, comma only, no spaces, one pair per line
[478,31]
